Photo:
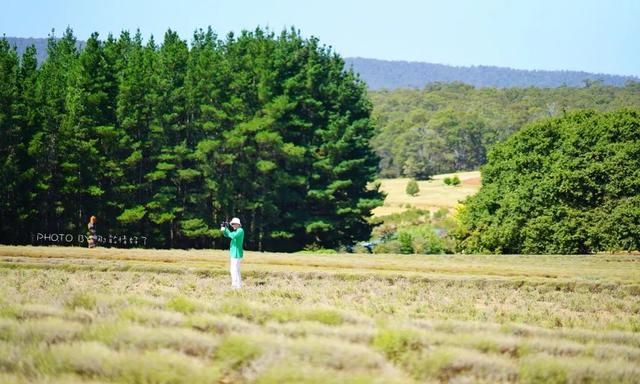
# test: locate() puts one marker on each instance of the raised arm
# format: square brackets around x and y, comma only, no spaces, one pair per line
[234,234]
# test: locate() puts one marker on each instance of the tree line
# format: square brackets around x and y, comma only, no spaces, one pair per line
[445,128]
[167,140]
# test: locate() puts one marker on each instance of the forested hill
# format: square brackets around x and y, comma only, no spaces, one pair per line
[382,74]
[40,43]
[444,128]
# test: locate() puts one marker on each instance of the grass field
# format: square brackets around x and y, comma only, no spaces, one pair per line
[434,194]
[150,316]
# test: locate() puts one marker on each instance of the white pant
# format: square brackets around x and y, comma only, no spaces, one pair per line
[234,268]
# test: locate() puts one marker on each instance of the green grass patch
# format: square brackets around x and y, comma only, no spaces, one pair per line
[235,351]
[82,300]
[243,310]
[543,369]
[324,316]
[181,304]
[395,343]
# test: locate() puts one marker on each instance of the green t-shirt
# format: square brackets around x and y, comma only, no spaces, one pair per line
[237,238]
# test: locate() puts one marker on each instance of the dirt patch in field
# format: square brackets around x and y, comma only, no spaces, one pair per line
[472,181]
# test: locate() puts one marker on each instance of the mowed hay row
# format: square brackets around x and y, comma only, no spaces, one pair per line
[578,271]
[183,324]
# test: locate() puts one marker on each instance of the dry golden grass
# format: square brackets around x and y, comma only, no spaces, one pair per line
[580,269]
[433,195]
[147,316]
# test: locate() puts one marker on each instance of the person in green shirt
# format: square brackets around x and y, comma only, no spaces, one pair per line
[235,250]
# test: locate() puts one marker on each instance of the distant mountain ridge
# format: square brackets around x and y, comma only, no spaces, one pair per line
[385,74]
[379,74]
[21,44]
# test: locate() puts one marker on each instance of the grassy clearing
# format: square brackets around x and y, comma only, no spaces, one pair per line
[145,316]
[433,195]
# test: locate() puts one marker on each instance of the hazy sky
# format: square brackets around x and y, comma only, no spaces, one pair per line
[601,36]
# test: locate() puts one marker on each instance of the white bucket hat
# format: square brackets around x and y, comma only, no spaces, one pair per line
[235,220]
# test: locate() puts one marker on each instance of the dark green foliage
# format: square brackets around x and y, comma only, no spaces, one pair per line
[455,180]
[166,141]
[412,188]
[52,147]
[405,240]
[415,231]
[446,128]
[564,185]
[12,151]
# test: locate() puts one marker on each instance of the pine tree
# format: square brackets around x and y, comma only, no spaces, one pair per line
[173,176]
[27,119]
[47,147]
[137,98]
[11,139]
[88,126]
[343,163]
[207,99]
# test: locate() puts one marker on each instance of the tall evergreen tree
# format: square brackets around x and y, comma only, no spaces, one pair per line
[87,127]
[47,147]
[174,176]
[137,98]
[206,82]
[10,171]
[27,120]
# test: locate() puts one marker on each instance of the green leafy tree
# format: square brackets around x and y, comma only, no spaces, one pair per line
[406,243]
[563,185]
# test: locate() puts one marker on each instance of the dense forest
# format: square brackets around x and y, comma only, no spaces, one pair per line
[562,185]
[451,127]
[165,141]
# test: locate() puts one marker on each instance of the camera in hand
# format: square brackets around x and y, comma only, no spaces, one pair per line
[224,224]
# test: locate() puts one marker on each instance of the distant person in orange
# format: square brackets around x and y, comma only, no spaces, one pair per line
[92,234]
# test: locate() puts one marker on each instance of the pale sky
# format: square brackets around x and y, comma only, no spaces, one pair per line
[600,36]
